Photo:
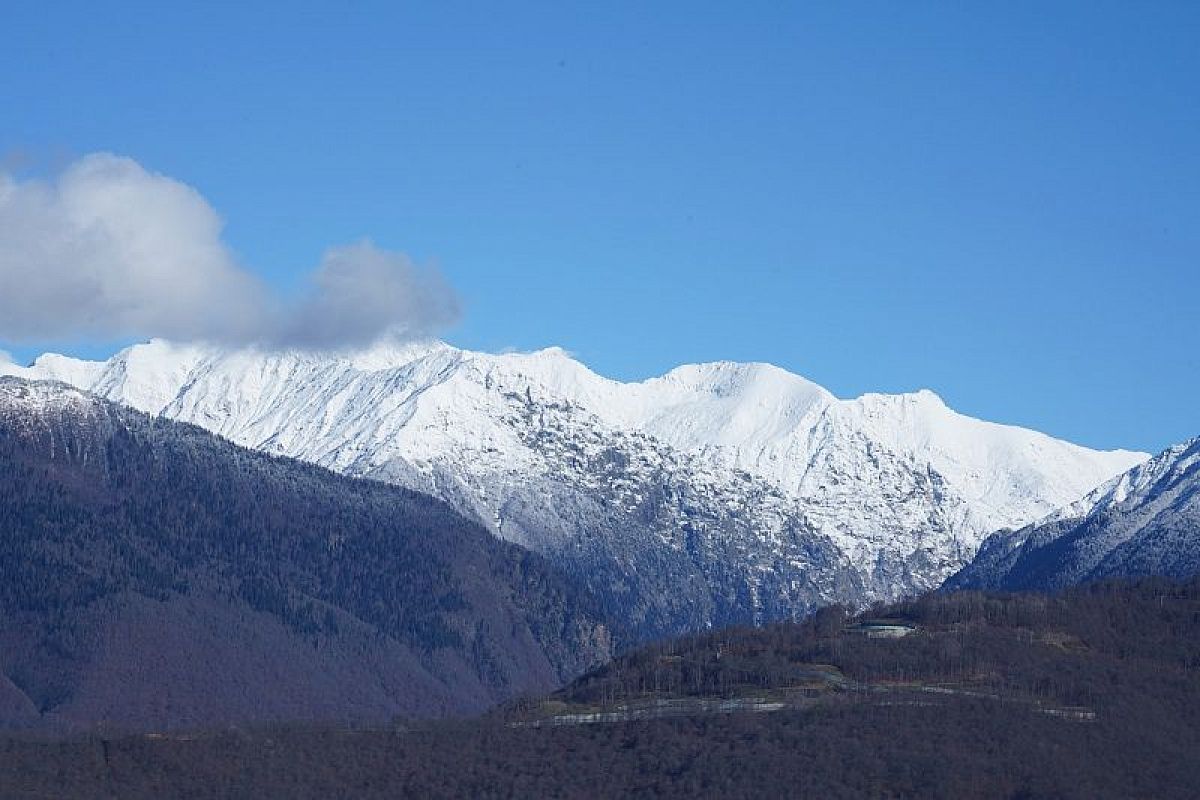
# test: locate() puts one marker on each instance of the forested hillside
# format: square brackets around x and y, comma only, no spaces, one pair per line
[153,575]
[1094,693]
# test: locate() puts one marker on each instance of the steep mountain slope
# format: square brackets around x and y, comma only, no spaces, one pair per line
[1144,522]
[717,493]
[155,575]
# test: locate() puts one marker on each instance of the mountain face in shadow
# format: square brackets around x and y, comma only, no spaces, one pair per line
[156,576]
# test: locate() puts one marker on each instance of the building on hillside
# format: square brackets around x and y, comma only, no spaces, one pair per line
[889,629]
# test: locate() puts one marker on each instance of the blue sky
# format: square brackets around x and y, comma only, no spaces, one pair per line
[995,201]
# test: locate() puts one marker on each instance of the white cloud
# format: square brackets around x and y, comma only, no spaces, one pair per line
[109,249]
[359,291]
[5,357]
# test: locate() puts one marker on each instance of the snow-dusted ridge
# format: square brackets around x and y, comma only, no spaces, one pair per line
[1143,522]
[748,479]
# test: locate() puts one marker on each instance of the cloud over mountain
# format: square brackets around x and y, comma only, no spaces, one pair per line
[110,249]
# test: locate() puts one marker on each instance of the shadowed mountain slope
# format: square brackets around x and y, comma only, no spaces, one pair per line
[154,575]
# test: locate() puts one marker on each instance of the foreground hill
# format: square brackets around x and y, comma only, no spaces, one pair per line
[1144,522]
[153,576]
[1094,693]
[716,494]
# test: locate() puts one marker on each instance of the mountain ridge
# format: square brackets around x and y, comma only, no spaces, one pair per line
[1145,521]
[756,490]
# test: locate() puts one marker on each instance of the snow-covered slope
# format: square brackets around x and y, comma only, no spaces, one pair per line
[1144,522]
[717,492]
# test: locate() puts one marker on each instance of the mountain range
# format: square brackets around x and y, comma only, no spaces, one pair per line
[716,494]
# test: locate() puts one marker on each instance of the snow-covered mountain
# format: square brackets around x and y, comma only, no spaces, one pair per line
[716,493]
[1144,522]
